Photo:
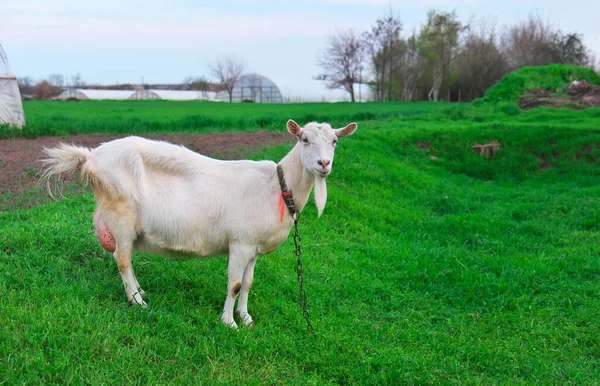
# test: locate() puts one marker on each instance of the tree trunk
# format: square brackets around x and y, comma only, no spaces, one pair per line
[434,92]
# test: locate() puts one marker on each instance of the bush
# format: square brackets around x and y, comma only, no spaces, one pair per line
[509,108]
[44,90]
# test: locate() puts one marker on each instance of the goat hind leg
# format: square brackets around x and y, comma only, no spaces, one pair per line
[134,294]
[242,306]
[121,252]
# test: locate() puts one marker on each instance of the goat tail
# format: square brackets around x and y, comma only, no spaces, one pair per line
[63,159]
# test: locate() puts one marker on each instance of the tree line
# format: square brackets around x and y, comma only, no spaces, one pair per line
[445,59]
[49,87]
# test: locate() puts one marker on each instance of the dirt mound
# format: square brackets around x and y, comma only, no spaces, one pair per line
[580,95]
[578,88]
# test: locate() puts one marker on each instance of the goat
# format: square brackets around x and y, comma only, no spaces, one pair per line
[160,198]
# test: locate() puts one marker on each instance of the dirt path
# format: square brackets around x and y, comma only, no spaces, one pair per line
[20,158]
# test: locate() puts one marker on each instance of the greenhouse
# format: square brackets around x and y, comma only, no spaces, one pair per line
[171,95]
[252,88]
[11,106]
[83,94]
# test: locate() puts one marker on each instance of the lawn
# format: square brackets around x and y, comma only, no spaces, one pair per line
[430,265]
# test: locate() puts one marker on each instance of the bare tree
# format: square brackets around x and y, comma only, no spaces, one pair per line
[536,42]
[480,62]
[57,80]
[26,84]
[525,43]
[343,61]
[385,48]
[77,80]
[568,49]
[228,70]
[411,68]
[188,82]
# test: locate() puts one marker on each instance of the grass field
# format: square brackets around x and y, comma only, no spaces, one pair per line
[430,265]
[147,117]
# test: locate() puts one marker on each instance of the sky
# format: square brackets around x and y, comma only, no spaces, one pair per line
[123,41]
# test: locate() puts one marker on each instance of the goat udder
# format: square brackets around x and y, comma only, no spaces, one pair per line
[106,239]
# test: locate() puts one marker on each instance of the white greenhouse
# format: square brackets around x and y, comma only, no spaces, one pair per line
[253,88]
[119,95]
[84,94]
[11,106]
[173,95]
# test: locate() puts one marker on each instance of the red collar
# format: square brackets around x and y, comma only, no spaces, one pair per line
[285,198]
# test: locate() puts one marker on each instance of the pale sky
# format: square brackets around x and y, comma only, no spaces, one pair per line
[111,41]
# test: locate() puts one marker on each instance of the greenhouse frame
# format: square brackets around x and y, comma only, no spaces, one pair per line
[253,88]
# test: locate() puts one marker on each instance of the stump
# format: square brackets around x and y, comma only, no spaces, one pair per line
[488,150]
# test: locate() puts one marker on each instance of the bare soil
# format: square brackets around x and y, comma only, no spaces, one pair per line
[20,158]
[578,97]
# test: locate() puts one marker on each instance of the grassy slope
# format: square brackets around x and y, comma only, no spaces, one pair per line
[555,78]
[443,269]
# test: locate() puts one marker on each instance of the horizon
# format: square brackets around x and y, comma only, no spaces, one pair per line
[120,43]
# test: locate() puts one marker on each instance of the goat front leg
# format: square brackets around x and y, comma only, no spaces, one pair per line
[242,306]
[239,257]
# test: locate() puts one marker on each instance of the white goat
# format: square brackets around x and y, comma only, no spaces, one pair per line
[157,197]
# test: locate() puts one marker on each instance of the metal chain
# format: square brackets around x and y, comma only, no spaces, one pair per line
[297,244]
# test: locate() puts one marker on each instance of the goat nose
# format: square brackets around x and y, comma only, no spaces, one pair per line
[324,163]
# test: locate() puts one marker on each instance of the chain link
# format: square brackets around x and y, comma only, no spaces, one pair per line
[297,244]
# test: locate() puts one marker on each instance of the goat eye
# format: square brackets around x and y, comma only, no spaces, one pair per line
[305,140]
[334,143]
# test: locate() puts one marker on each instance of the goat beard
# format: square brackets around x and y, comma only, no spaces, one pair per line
[320,194]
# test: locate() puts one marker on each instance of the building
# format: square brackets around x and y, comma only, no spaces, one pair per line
[174,95]
[11,106]
[252,88]
[84,94]
[119,95]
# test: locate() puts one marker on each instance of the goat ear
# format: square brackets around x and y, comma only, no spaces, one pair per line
[346,131]
[293,128]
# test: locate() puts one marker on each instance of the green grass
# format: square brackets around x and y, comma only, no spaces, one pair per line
[146,117]
[430,265]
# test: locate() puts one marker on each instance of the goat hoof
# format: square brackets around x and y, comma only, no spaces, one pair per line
[246,318]
[143,304]
[229,322]
[137,300]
